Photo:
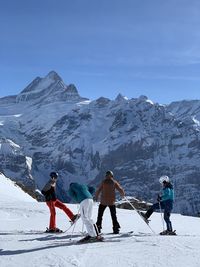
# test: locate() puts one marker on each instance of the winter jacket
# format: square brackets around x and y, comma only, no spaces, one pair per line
[79,192]
[49,190]
[107,189]
[167,193]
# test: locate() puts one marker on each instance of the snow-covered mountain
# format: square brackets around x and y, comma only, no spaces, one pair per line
[186,109]
[49,126]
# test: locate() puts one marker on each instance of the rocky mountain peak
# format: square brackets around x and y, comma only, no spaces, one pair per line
[143,98]
[53,76]
[49,89]
[120,98]
[71,89]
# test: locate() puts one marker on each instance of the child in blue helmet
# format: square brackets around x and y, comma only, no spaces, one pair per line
[165,202]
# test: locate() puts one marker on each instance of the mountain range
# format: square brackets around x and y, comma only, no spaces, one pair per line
[49,126]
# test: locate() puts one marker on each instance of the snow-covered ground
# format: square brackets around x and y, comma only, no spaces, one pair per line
[23,242]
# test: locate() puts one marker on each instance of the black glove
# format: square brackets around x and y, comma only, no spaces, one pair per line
[159,198]
[44,192]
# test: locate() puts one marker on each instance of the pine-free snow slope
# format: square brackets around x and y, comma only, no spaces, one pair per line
[23,243]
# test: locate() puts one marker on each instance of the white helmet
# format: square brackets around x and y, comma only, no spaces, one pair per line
[164,178]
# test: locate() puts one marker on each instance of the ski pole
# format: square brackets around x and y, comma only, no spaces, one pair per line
[82,226]
[138,214]
[161,216]
[73,230]
[74,224]
[82,229]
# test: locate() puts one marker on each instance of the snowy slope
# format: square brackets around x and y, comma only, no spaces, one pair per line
[23,243]
[10,192]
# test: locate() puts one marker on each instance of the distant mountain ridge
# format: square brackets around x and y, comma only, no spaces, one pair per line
[54,128]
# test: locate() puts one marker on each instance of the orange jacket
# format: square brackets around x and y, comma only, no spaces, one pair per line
[107,190]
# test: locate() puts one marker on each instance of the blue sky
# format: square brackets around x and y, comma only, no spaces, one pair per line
[135,47]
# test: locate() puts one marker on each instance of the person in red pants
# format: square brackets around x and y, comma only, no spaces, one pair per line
[52,202]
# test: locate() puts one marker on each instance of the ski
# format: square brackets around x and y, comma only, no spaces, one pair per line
[90,240]
[168,232]
[119,234]
[126,234]
[72,224]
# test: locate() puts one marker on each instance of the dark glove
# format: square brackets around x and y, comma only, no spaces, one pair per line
[159,198]
[44,192]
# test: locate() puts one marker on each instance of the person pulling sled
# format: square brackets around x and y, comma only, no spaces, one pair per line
[165,202]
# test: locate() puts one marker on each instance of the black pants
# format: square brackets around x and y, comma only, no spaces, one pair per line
[101,210]
[167,207]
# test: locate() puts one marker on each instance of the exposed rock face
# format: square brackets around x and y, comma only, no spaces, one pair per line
[138,204]
[49,126]
[16,165]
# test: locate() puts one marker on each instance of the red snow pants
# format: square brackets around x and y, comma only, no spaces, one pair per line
[52,204]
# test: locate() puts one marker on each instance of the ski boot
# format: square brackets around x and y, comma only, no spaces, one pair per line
[97,238]
[85,239]
[116,231]
[90,239]
[53,230]
[75,218]
[144,217]
[167,232]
